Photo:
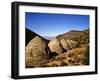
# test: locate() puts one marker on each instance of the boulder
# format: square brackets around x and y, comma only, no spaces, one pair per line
[55,46]
[68,44]
[36,52]
[72,44]
[65,44]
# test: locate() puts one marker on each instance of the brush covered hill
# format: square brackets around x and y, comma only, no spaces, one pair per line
[81,37]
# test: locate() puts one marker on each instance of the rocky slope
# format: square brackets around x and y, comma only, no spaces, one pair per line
[81,37]
[68,49]
[74,57]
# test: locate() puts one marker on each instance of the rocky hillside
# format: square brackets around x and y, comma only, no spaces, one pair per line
[68,49]
[81,37]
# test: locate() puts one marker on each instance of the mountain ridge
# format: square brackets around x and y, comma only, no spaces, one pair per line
[30,35]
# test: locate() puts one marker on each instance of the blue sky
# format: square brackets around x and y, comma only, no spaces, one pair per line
[46,24]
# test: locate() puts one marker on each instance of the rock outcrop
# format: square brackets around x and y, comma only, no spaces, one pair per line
[68,44]
[37,53]
[55,46]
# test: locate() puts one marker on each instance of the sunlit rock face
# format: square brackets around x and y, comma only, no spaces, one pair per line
[55,46]
[68,44]
[37,53]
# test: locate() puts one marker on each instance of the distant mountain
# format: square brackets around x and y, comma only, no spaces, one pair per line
[49,37]
[30,35]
